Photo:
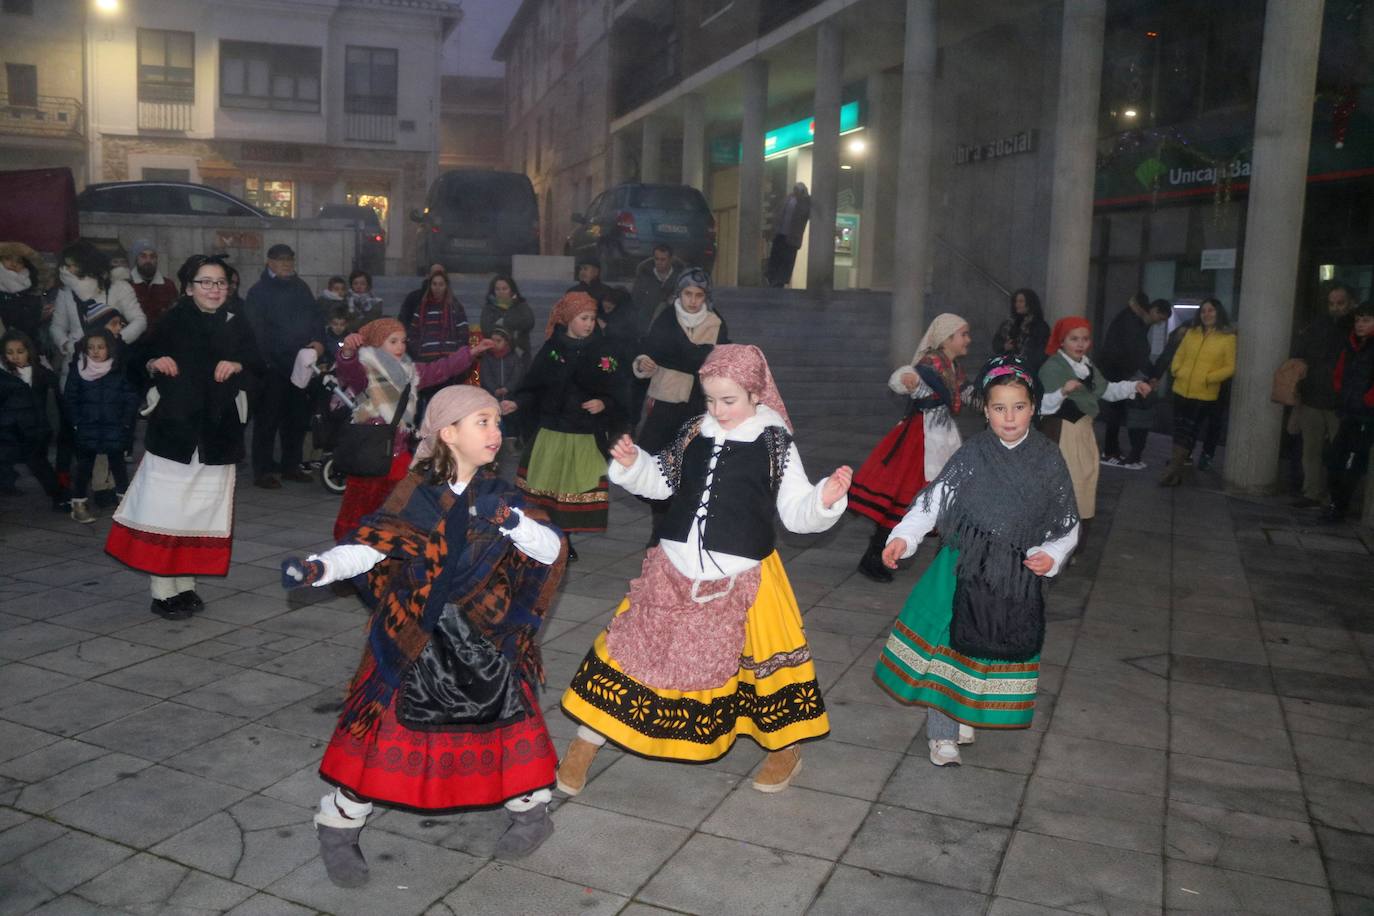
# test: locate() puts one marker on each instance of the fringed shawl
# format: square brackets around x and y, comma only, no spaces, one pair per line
[999,502]
[434,558]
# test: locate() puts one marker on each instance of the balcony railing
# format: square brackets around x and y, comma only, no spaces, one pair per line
[174,117]
[51,117]
[371,120]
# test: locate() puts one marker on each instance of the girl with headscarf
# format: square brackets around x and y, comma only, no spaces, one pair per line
[967,643]
[915,450]
[1074,389]
[569,407]
[708,646]
[442,712]
[374,366]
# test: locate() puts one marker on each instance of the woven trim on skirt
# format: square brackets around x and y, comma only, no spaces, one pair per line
[565,475]
[774,698]
[918,666]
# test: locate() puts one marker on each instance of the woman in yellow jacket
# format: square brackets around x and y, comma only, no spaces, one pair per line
[1204,360]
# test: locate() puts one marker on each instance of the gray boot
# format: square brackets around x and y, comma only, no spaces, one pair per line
[342,856]
[527,831]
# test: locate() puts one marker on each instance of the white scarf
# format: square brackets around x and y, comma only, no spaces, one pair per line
[83,288]
[91,370]
[25,373]
[687,319]
[12,281]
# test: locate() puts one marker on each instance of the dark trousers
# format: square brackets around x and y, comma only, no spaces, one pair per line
[782,257]
[1189,416]
[36,460]
[1114,415]
[1349,460]
[85,464]
[282,412]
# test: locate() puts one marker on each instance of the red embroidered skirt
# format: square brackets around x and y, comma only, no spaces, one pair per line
[892,475]
[365,495]
[442,770]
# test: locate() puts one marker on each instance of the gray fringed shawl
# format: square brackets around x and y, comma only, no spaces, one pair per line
[999,502]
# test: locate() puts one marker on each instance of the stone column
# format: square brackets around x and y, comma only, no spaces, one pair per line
[754,96]
[911,228]
[1273,229]
[825,156]
[694,142]
[620,159]
[652,152]
[880,137]
[1075,158]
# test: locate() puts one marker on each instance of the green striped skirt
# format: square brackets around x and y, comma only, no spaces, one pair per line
[918,667]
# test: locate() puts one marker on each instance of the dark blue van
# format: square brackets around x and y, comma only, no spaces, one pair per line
[475,220]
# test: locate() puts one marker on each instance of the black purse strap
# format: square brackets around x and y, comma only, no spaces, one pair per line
[400,407]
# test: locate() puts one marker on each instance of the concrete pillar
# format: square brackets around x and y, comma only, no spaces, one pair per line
[754,96]
[911,229]
[1075,157]
[620,159]
[652,153]
[694,142]
[825,156]
[1273,229]
[880,137]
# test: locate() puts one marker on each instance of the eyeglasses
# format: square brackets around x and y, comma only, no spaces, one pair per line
[208,283]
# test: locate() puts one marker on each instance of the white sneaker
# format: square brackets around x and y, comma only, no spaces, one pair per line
[1111,462]
[1134,465]
[81,513]
[944,752]
[967,735]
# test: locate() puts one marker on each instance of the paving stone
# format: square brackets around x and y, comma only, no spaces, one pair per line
[267,905]
[1244,842]
[71,859]
[169,675]
[251,757]
[23,838]
[72,710]
[175,634]
[17,740]
[796,820]
[969,792]
[160,731]
[884,724]
[1193,888]
[1340,803]
[1348,857]
[146,882]
[1218,672]
[242,608]
[658,790]
[147,807]
[1006,906]
[928,847]
[855,890]
[1073,811]
[1082,877]
[1102,764]
[845,769]
[37,638]
[315,716]
[1259,709]
[1230,739]
[249,694]
[605,850]
[1236,786]
[1324,688]
[93,657]
[1336,757]
[255,842]
[744,878]
[504,890]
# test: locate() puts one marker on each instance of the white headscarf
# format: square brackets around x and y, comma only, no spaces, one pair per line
[941,329]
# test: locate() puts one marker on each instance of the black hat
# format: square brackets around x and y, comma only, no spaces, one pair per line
[588,261]
[279,251]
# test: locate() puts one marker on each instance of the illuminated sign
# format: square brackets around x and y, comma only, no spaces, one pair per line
[803,133]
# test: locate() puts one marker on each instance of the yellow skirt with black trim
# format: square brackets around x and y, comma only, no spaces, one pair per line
[774,698]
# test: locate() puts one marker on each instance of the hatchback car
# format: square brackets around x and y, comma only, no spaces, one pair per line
[622,226]
[174,198]
[476,220]
[369,252]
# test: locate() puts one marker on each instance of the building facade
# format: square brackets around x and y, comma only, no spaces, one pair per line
[42,96]
[472,132]
[557,57]
[289,104]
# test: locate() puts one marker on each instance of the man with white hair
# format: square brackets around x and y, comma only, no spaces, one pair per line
[155,292]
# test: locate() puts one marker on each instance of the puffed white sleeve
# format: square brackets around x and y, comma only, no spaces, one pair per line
[346,561]
[894,381]
[1051,402]
[1058,549]
[534,539]
[643,478]
[1123,390]
[799,501]
[918,521]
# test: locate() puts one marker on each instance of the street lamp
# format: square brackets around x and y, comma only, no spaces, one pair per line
[107,7]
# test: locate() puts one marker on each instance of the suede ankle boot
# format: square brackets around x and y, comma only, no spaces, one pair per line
[572,770]
[342,856]
[778,770]
[528,830]
[1173,475]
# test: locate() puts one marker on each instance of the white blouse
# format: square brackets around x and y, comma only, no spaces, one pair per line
[1116,391]
[799,501]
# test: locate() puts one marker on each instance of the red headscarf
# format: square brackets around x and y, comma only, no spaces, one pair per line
[1063,328]
[568,308]
[745,365]
[375,333]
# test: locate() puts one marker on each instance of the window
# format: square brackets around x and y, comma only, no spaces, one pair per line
[213,204]
[166,66]
[276,77]
[18,7]
[22,80]
[370,80]
[277,198]
[153,174]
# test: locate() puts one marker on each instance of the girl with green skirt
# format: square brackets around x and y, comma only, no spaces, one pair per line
[967,643]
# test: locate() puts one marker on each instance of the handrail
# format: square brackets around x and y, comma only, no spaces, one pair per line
[977,268]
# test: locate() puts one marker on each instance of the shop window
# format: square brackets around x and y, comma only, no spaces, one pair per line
[264,76]
[166,66]
[378,199]
[22,83]
[370,80]
[275,196]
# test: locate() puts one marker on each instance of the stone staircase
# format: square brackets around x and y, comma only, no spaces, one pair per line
[828,351]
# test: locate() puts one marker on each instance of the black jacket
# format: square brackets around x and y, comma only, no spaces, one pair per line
[102,411]
[565,374]
[518,320]
[284,317]
[1030,337]
[24,412]
[1320,345]
[1354,379]
[194,411]
[668,345]
[24,310]
[1125,351]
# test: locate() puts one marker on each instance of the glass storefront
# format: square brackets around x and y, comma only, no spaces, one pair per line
[275,196]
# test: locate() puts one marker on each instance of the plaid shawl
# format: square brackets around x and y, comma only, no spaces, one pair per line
[435,558]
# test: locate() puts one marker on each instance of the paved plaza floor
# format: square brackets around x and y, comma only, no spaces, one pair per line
[1203,741]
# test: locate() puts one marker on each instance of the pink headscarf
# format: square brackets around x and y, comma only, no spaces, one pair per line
[447,407]
[745,365]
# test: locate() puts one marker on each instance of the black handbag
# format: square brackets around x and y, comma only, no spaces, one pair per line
[367,449]
[985,625]
[460,678]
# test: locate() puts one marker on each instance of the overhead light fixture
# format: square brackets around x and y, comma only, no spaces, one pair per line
[846,168]
[858,145]
[1129,113]
[107,6]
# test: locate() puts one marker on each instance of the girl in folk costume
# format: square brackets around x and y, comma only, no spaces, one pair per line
[373,363]
[176,520]
[569,409]
[921,442]
[708,646]
[1073,390]
[967,643]
[441,713]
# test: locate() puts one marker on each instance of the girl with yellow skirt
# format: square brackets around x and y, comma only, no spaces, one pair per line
[708,646]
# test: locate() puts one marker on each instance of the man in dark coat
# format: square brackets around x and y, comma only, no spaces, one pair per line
[589,279]
[282,312]
[655,284]
[1125,354]
[1319,345]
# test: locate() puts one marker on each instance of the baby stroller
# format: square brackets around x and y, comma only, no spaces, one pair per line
[331,409]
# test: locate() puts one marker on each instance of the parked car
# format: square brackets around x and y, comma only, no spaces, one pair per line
[175,198]
[476,220]
[622,226]
[369,252]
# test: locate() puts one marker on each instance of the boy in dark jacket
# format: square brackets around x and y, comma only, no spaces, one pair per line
[25,386]
[103,404]
[1353,381]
